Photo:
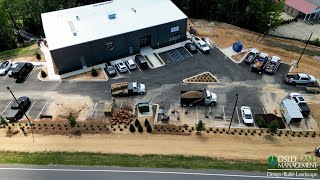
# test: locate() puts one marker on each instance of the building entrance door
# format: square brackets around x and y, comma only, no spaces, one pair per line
[83,62]
[145,41]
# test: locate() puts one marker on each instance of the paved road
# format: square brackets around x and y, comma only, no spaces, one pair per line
[103,173]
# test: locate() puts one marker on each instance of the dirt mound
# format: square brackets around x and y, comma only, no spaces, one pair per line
[191,94]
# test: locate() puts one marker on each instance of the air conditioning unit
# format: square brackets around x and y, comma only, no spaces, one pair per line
[112,15]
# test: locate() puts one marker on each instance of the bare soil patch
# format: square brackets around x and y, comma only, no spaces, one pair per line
[224,35]
[238,56]
[315,111]
[88,76]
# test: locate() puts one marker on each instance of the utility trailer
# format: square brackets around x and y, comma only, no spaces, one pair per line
[251,56]
[127,89]
[272,65]
[259,63]
[197,97]
[290,111]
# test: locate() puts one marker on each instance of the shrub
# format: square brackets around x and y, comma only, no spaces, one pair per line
[261,122]
[38,55]
[149,129]
[200,126]
[146,123]
[273,126]
[3,121]
[72,120]
[43,74]
[137,123]
[94,72]
[140,129]
[132,128]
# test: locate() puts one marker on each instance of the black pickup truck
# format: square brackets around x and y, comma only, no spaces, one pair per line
[18,110]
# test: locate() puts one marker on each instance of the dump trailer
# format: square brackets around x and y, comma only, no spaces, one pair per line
[197,97]
[272,65]
[127,89]
[290,111]
[251,56]
[259,63]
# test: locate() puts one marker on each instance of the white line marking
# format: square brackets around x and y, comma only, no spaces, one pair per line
[6,108]
[187,51]
[199,51]
[42,110]
[6,76]
[129,71]
[31,107]
[153,172]
[94,109]
[238,116]
[138,67]
[264,111]
[118,73]
[224,116]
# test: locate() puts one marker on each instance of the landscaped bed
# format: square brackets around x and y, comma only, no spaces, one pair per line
[268,118]
[88,76]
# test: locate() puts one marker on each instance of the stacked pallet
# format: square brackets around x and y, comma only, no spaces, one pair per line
[122,117]
[119,86]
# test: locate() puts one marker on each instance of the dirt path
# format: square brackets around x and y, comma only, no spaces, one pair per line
[232,147]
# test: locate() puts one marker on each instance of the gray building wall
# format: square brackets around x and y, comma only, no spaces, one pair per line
[68,59]
[289,10]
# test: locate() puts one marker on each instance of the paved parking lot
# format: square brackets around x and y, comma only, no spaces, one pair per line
[175,55]
[37,107]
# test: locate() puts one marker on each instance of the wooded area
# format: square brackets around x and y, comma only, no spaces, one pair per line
[257,15]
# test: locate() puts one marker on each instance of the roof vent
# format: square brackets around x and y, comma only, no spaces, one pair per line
[112,15]
[77,17]
[135,11]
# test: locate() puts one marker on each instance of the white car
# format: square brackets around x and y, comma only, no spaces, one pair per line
[121,67]
[4,67]
[246,115]
[130,64]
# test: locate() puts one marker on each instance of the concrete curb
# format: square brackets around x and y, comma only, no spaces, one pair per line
[186,82]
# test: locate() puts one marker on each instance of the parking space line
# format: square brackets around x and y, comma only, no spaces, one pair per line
[6,76]
[238,116]
[6,108]
[188,51]
[224,116]
[264,111]
[138,67]
[41,110]
[118,72]
[199,51]
[94,109]
[129,71]
[31,107]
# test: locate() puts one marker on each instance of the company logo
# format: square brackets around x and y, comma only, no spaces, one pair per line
[273,161]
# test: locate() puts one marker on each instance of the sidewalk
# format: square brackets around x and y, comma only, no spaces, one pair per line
[49,64]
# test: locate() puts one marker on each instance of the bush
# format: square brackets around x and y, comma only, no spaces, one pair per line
[273,126]
[3,121]
[132,128]
[261,122]
[146,123]
[94,72]
[315,42]
[140,129]
[137,123]
[200,126]
[43,74]
[38,55]
[149,129]
[72,120]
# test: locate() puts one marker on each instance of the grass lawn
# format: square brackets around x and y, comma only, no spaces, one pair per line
[19,52]
[126,160]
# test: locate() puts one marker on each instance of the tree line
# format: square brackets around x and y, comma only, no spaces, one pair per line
[257,15]
[26,15]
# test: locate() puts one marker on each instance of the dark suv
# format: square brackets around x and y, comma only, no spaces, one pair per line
[141,61]
[22,71]
[18,110]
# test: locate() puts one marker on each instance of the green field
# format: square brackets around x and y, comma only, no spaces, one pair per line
[19,52]
[126,160]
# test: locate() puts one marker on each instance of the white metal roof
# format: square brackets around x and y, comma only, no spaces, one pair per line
[292,108]
[88,23]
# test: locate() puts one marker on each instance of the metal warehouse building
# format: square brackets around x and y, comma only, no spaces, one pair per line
[94,34]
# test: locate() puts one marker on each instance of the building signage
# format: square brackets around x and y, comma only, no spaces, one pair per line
[109,46]
[174,29]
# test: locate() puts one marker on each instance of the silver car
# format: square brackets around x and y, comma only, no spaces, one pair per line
[121,67]
[130,63]
[4,67]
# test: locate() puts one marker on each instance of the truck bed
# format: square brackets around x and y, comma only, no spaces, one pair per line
[250,57]
[271,67]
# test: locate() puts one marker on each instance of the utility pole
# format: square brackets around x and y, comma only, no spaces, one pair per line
[235,105]
[23,113]
[304,49]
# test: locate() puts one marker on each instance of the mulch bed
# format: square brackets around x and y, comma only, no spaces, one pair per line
[270,117]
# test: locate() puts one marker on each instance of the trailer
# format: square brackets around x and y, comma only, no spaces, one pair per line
[251,56]
[272,65]
[197,97]
[127,89]
[290,111]
[313,88]
[259,63]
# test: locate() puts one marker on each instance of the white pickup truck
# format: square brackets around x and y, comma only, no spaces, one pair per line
[201,45]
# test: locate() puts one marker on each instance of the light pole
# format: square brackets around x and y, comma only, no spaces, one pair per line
[23,112]
[235,105]
[304,49]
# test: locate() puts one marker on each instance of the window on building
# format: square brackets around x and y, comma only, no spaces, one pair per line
[109,46]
